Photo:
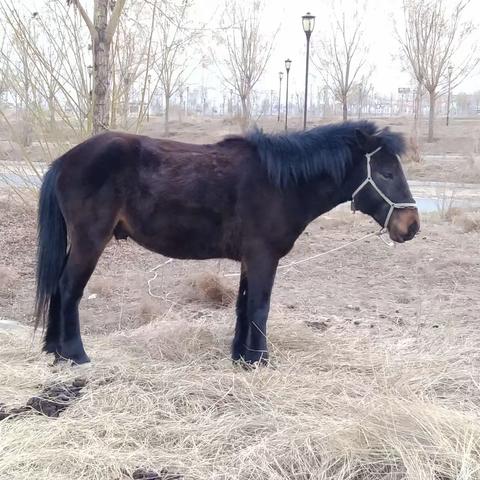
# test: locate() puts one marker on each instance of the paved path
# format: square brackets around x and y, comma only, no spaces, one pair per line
[429,194]
[11,325]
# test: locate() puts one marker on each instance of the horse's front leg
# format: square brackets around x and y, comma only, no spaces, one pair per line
[261,268]
[241,327]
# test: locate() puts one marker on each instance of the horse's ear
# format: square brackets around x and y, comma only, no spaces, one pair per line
[364,141]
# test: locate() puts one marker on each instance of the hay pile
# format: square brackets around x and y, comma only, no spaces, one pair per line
[166,398]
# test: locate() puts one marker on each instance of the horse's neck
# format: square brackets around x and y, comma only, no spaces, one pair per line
[320,196]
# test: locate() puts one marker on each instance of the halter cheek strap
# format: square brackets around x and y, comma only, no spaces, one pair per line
[371,181]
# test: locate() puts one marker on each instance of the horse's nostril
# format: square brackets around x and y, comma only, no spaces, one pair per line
[413,229]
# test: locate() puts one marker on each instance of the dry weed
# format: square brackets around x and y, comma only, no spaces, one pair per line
[211,288]
[467,221]
[413,151]
[104,286]
[148,308]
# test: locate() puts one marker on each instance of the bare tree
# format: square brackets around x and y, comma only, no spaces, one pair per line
[176,32]
[247,50]
[46,67]
[433,38]
[132,60]
[360,92]
[341,56]
[101,29]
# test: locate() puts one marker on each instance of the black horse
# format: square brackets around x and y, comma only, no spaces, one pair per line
[244,198]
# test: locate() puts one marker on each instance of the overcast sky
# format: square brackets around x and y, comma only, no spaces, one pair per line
[285,15]
[379,35]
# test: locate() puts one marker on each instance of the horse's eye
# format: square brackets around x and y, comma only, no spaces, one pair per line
[387,175]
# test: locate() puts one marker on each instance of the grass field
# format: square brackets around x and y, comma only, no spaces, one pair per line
[375,362]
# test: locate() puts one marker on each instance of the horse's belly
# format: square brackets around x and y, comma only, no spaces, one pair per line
[188,236]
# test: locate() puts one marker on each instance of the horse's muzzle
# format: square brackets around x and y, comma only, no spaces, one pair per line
[404,224]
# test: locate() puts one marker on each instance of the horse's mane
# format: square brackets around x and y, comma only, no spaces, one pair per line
[298,156]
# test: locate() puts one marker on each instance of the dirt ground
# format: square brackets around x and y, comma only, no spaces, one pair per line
[375,362]
[427,282]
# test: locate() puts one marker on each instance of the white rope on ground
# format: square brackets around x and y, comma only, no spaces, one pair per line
[154,269]
[303,260]
[281,267]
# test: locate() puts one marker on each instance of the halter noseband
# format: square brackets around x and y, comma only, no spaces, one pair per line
[371,181]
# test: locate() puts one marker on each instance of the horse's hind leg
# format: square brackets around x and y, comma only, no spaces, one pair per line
[53,333]
[85,251]
[54,324]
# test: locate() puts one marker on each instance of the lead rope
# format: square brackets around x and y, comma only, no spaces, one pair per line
[322,254]
[379,234]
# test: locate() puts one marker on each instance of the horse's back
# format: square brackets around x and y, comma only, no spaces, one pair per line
[143,166]
[174,198]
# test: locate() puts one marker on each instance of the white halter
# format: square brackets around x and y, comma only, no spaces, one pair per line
[371,181]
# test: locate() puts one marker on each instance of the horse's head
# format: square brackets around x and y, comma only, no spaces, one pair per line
[380,188]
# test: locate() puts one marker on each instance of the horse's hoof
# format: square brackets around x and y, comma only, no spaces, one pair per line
[251,359]
[73,353]
[51,347]
[74,359]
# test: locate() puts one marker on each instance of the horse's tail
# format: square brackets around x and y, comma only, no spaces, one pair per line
[52,244]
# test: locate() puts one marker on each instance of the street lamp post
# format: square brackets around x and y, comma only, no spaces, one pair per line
[280,76]
[149,79]
[308,22]
[90,73]
[450,70]
[288,64]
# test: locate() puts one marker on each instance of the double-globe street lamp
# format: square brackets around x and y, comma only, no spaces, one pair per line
[308,23]
[288,64]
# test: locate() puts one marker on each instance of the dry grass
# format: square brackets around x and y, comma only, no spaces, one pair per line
[165,396]
[413,153]
[103,285]
[375,370]
[467,221]
[8,279]
[210,287]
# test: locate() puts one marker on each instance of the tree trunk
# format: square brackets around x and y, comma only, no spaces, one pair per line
[180,109]
[27,124]
[27,129]
[114,92]
[167,112]
[101,59]
[51,110]
[244,121]
[345,108]
[125,106]
[431,116]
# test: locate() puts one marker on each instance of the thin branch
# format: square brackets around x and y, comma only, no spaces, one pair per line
[86,18]
[114,19]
